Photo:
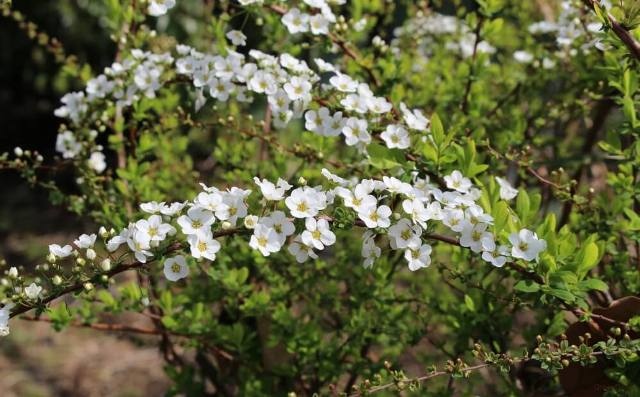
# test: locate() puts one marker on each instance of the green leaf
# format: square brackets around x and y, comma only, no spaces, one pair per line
[527,286]
[437,130]
[593,283]
[469,303]
[562,294]
[523,205]
[588,259]
[384,158]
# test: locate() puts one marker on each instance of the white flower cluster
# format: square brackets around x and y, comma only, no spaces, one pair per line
[287,82]
[318,22]
[215,212]
[423,31]
[569,27]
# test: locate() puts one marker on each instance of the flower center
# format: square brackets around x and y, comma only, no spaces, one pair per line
[316,234]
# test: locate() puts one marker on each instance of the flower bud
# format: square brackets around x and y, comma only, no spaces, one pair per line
[302,181]
[91,254]
[51,258]
[103,232]
[81,261]
[18,151]
[88,286]
[226,225]
[105,265]
[13,272]
[56,280]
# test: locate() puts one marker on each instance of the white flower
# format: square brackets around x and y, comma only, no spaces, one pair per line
[396,137]
[395,185]
[419,257]
[33,291]
[344,83]
[414,119]
[325,66]
[454,219]
[497,257]
[279,222]
[237,37]
[297,88]
[60,252]
[472,236]
[160,7]
[5,314]
[265,239]
[13,272]
[213,202]
[355,131]
[263,82]
[301,251]
[97,162]
[359,199]
[154,229]
[85,241]
[526,245]
[99,87]
[523,56]
[151,207]
[458,182]
[176,268]
[376,217]
[197,221]
[270,191]
[333,177]
[370,251]
[220,88]
[305,202]
[250,221]
[171,209]
[378,105]
[507,192]
[237,208]
[295,21]
[318,233]
[405,235]
[67,144]
[319,24]
[203,246]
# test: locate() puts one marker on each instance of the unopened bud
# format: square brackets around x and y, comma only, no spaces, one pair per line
[91,254]
[13,272]
[302,181]
[56,280]
[81,261]
[51,258]
[88,286]
[18,151]
[105,265]
[103,232]
[226,225]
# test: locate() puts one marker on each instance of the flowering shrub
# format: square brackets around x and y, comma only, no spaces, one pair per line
[313,193]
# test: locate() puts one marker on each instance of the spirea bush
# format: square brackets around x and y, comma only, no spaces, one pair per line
[332,197]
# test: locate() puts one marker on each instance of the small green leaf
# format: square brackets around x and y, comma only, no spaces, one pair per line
[469,303]
[593,283]
[527,286]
